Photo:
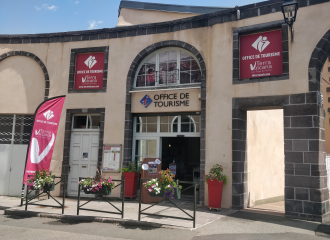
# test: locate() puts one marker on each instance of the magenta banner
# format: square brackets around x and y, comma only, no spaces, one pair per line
[47,118]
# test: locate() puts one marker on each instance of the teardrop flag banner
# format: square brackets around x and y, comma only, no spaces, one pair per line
[43,136]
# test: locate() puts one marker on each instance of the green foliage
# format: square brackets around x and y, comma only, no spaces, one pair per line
[216,173]
[132,167]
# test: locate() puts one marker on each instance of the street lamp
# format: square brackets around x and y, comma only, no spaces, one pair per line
[289,10]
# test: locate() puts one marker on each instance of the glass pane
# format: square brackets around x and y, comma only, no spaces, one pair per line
[185,127]
[184,77]
[197,127]
[152,128]
[23,128]
[138,160]
[79,122]
[172,66]
[141,127]
[185,65]
[163,57]
[163,67]
[185,119]
[163,119]
[194,65]
[164,127]
[151,59]
[172,56]
[162,77]
[142,70]
[174,125]
[184,55]
[172,77]
[150,80]
[152,120]
[172,118]
[196,118]
[150,68]
[196,76]
[141,120]
[151,146]
[138,147]
[95,121]
[141,81]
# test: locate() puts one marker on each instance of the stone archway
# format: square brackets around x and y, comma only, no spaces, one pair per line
[34,57]
[306,192]
[129,86]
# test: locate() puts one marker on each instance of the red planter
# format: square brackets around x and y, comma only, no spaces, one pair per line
[215,193]
[131,183]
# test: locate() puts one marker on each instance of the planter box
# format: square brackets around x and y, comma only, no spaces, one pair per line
[102,191]
[177,193]
[215,193]
[49,188]
[131,183]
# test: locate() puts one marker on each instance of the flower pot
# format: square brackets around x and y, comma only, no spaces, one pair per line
[102,191]
[161,194]
[177,193]
[131,183]
[48,188]
[215,193]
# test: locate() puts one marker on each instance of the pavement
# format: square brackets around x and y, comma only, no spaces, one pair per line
[203,215]
[225,225]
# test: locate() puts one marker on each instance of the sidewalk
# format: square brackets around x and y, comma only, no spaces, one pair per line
[203,215]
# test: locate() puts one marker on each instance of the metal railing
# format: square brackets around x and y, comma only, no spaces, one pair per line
[121,212]
[189,218]
[61,205]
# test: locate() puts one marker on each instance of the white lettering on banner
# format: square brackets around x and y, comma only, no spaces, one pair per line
[43,133]
[274,54]
[51,123]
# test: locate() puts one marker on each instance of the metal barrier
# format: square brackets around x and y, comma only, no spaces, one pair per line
[121,212]
[61,205]
[191,218]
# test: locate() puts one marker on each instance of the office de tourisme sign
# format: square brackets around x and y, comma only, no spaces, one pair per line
[261,55]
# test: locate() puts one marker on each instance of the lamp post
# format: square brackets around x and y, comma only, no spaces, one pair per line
[289,10]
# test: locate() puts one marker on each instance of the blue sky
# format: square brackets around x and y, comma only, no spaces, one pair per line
[45,16]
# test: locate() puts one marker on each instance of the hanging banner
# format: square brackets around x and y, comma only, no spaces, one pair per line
[89,71]
[261,55]
[46,120]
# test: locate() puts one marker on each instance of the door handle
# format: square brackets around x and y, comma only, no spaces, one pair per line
[83,166]
[69,168]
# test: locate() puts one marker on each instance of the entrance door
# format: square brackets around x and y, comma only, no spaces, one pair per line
[83,157]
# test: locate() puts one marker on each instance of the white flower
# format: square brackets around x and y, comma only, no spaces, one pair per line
[149,190]
[156,184]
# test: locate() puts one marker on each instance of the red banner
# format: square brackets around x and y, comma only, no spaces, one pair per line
[47,118]
[89,71]
[261,55]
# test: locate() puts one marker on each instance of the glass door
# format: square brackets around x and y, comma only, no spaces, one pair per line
[145,147]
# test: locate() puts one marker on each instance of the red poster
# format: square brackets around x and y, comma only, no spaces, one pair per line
[261,55]
[47,118]
[89,71]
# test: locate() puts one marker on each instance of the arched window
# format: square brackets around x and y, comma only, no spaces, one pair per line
[168,67]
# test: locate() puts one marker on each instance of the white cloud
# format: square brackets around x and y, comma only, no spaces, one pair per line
[93,24]
[47,7]
[76,2]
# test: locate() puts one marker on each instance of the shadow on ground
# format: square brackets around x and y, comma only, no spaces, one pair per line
[296,223]
[259,236]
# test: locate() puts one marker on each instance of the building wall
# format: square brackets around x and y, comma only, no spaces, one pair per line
[326,102]
[265,155]
[23,85]
[129,16]
[215,45]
